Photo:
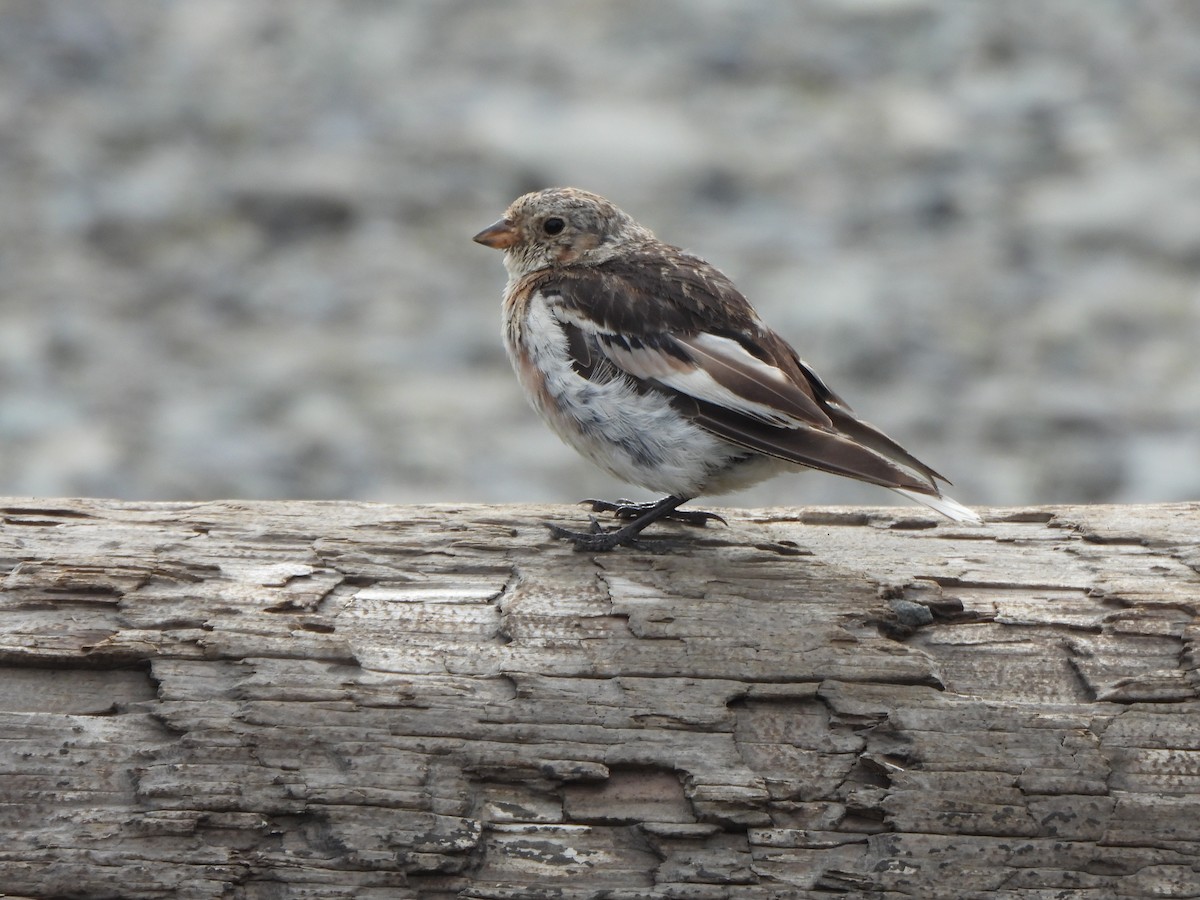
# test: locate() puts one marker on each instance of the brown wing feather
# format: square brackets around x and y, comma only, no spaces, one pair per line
[784,394]
[660,300]
[812,448]
[660,290]
[864,433]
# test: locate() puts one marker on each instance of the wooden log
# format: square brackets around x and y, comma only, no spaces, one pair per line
[253,700]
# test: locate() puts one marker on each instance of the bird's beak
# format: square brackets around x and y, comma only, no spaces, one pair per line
[499,235]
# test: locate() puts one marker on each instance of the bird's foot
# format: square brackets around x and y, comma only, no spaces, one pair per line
[638,516]
[595,540]
[628,510]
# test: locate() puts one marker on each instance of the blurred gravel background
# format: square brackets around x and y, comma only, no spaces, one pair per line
[235,255]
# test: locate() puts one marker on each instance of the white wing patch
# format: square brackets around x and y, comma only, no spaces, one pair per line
[644,362]
[727,354]
[782,404]
[701,385]
[727,348]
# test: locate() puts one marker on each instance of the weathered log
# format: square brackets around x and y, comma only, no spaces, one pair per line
[257,700]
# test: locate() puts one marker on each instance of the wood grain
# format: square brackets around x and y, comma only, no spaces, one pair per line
[284,699]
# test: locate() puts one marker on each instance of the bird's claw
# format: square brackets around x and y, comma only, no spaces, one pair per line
[697,517]
[595,541]
[628,509]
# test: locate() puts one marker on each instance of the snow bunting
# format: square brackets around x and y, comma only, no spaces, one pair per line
[649,361]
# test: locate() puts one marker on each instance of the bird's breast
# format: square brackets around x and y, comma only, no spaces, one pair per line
[627,427]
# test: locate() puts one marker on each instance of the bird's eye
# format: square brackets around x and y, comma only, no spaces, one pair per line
[553,225]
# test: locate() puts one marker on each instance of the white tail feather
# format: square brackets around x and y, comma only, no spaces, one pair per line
[947,506]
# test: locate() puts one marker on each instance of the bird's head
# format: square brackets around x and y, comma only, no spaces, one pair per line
[560,227]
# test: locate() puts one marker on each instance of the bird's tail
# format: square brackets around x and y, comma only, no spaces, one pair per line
[947,506]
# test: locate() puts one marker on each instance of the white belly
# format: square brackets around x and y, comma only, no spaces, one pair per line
[636,436]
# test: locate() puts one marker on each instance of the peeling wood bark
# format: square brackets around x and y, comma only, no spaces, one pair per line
[253,700]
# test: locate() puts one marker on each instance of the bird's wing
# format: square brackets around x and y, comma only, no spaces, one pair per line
[689,333]
[679,322]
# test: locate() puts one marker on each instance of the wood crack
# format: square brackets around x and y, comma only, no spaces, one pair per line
[438,701]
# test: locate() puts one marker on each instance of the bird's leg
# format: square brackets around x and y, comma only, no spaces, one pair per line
[598,540]
[628,509]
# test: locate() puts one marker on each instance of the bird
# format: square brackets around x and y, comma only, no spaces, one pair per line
[649,361]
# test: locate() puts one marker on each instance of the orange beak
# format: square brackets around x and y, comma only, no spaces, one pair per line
[499,235]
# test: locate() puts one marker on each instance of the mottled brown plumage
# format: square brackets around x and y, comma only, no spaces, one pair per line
[649,361]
